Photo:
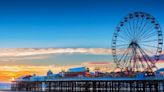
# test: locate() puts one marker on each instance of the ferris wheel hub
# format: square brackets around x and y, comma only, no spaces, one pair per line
[133,43]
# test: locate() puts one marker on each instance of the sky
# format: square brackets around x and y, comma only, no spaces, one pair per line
[63,32]
[66,23]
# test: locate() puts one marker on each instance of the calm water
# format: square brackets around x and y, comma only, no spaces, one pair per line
[5,86]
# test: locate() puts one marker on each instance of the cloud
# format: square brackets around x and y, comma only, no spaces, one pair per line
[17,52]
[20,54]
[22,58]
[97,63]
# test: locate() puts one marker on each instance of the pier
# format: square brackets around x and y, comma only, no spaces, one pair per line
[91,85]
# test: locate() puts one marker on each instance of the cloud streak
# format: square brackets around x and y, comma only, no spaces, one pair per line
[28,55]
[21,52]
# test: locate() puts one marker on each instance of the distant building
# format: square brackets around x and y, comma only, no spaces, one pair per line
[100,66]
[49,73]
[160,72]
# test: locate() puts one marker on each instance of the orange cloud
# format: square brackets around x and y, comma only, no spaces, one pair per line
[7,73]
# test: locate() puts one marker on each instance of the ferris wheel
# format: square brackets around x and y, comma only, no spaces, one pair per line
[137,42]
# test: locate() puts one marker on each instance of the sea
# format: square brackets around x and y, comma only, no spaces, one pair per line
[5,87]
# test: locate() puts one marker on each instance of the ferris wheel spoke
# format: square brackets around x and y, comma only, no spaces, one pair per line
[128,58]
[123,38]
[125,58]
[123,41]
[146,58]
[122,45]
[147,33]
[135,60]
[128,29]
[149,46]
[142,29]
[148,50]
[125,62]
[129,55]
[149,36]
[122,49]
[153,44]
[137,24]
[139,28]
[121,52]
[141,60]
[143,57]
[147,24]
[120,41]
[148,41]
[127,32]
[124,53]
[133,27]
[150,61]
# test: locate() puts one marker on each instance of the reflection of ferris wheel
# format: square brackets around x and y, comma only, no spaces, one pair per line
[137,42]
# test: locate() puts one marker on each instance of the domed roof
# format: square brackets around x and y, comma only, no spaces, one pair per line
[49,72]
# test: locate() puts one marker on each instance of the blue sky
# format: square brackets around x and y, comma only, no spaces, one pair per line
[67,24]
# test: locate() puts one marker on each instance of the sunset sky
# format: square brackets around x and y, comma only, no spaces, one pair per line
[38,35]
